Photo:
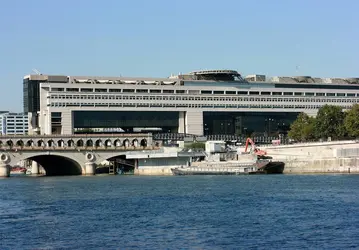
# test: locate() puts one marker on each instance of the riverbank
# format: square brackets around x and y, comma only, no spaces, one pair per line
[329,157]
[311,158]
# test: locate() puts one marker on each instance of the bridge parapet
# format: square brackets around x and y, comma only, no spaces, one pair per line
[82,141]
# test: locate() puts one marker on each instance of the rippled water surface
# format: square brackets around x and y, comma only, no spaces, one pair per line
[190,212]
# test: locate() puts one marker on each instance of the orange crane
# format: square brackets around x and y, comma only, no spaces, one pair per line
[254,149]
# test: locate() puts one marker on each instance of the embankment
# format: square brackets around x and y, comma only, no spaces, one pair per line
[326,157]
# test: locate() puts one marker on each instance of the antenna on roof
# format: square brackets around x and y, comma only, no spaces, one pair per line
[37,72]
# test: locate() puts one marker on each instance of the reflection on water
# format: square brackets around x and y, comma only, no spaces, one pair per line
[226,212]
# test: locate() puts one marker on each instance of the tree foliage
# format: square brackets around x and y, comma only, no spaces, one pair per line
[302,128]
[196,145]
[351,121]
[330,121]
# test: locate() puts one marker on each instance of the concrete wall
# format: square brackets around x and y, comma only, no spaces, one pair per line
[333,165]
[328,157]
[159,166]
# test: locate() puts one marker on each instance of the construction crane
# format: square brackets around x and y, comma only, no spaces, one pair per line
[254,149]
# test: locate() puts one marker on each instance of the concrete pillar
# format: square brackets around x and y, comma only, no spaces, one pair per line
[67,122]
[35,168]
[194,122]
[90,168]
[4,170]
[181,122]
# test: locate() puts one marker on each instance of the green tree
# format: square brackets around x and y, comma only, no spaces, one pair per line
[351,121]
[196,145]
[302,129]
[330,122]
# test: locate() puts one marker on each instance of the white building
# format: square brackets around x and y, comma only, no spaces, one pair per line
[202,102]
[13,123]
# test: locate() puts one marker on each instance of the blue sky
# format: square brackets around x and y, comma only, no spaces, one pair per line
[160,37]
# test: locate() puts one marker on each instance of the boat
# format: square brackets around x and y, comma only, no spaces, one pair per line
[255,161]
[229,168]
[17,170]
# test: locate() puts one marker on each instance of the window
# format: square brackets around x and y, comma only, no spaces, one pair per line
[218,92]
[86,90]
[230,92]
[101,90]
[242,93]
[265,93]
[158,91]
[128,91]
[206,92]
[115,90]
[72,89]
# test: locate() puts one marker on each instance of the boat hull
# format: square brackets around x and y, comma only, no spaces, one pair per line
[189,172]
[265,168]
[274,167]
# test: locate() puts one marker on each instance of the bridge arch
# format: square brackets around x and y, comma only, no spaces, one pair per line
[9,143]
[60,143]
[50,143]
[143,143]
[135,143]
[108,143]
[117,143]
[98,143]
[29,143]
[89,143]
[19,143]
[40,143]
[80,143]
[126,143]
[70,143]
[56,164]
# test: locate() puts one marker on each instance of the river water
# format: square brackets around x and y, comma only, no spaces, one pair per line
[174,212]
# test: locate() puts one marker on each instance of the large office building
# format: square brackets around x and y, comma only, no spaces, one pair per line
[13,123]
[201,102]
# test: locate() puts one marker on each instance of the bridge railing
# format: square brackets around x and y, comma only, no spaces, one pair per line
[66,148]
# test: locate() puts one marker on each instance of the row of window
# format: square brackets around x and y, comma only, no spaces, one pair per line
[174,105]
[217,99]
[209,92]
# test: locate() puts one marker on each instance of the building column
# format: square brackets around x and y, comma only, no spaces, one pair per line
[194,122]
[90,168]
[35,170]
[4,170]
[67,122]
[182,122]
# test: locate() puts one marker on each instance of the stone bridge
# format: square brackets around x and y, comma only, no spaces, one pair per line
[70,154]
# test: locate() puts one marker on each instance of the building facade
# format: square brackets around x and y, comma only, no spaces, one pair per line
[200,103]
[13,123]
